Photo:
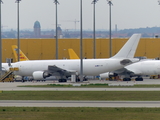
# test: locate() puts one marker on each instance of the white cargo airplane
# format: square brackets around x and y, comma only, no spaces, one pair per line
[144,67]
[41,69]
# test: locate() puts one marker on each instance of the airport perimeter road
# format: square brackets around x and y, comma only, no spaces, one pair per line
[34,103]
[7,86]
[77,89]
[145,81]
[14,87]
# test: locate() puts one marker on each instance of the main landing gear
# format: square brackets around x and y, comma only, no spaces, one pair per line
[139,79]
[126,79]
[62,80]
[78,79]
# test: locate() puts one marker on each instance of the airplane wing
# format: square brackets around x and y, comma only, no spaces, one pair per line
[127,72]
[54,70]
[133,71]
[123,71]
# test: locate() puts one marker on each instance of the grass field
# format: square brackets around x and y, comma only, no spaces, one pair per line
[81,95]
[33,113]
[51,113]
[97,85]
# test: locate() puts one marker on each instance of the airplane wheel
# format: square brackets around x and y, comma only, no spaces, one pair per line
[126,79]
[62,80]
[77,79]
[85,79]
[59,80]
[139,79]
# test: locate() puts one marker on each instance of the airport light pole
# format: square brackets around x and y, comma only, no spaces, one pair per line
[18,40]
[81,44]
[56,2]
[110,32]
[0,41]
[94,33]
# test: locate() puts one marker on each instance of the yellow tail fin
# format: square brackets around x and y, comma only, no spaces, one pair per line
[22,55]
[72,54]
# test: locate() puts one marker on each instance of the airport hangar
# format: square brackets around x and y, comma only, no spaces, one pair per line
[42,49]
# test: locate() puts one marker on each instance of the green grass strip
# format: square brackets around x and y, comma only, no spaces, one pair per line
[81,95]
[97,85]
[38,113]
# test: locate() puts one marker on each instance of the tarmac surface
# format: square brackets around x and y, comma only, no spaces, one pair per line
[6,86]
[60,103]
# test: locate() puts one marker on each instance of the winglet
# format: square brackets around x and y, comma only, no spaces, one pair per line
[22,55]
[72,54]
[129,49]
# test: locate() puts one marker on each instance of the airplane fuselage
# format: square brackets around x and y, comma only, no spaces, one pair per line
[148,67]
[90,66]
[41,69]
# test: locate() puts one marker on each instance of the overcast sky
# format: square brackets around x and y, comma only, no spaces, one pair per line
[125,13]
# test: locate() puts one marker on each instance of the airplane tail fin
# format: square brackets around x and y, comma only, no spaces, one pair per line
[22,55]
[72,54]
[129,49]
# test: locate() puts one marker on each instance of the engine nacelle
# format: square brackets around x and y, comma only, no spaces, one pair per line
[40,75]
[107,75]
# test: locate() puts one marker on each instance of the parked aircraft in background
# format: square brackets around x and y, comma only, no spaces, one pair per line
[72,54]
[63,69]
[138,69]
[22,56]
[144,67]
[6,66]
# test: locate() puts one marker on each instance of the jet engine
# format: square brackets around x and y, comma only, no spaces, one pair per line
[39,75]
[107,75]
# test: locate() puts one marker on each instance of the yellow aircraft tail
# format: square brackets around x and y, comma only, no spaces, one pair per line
[72,54]
[22,55]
